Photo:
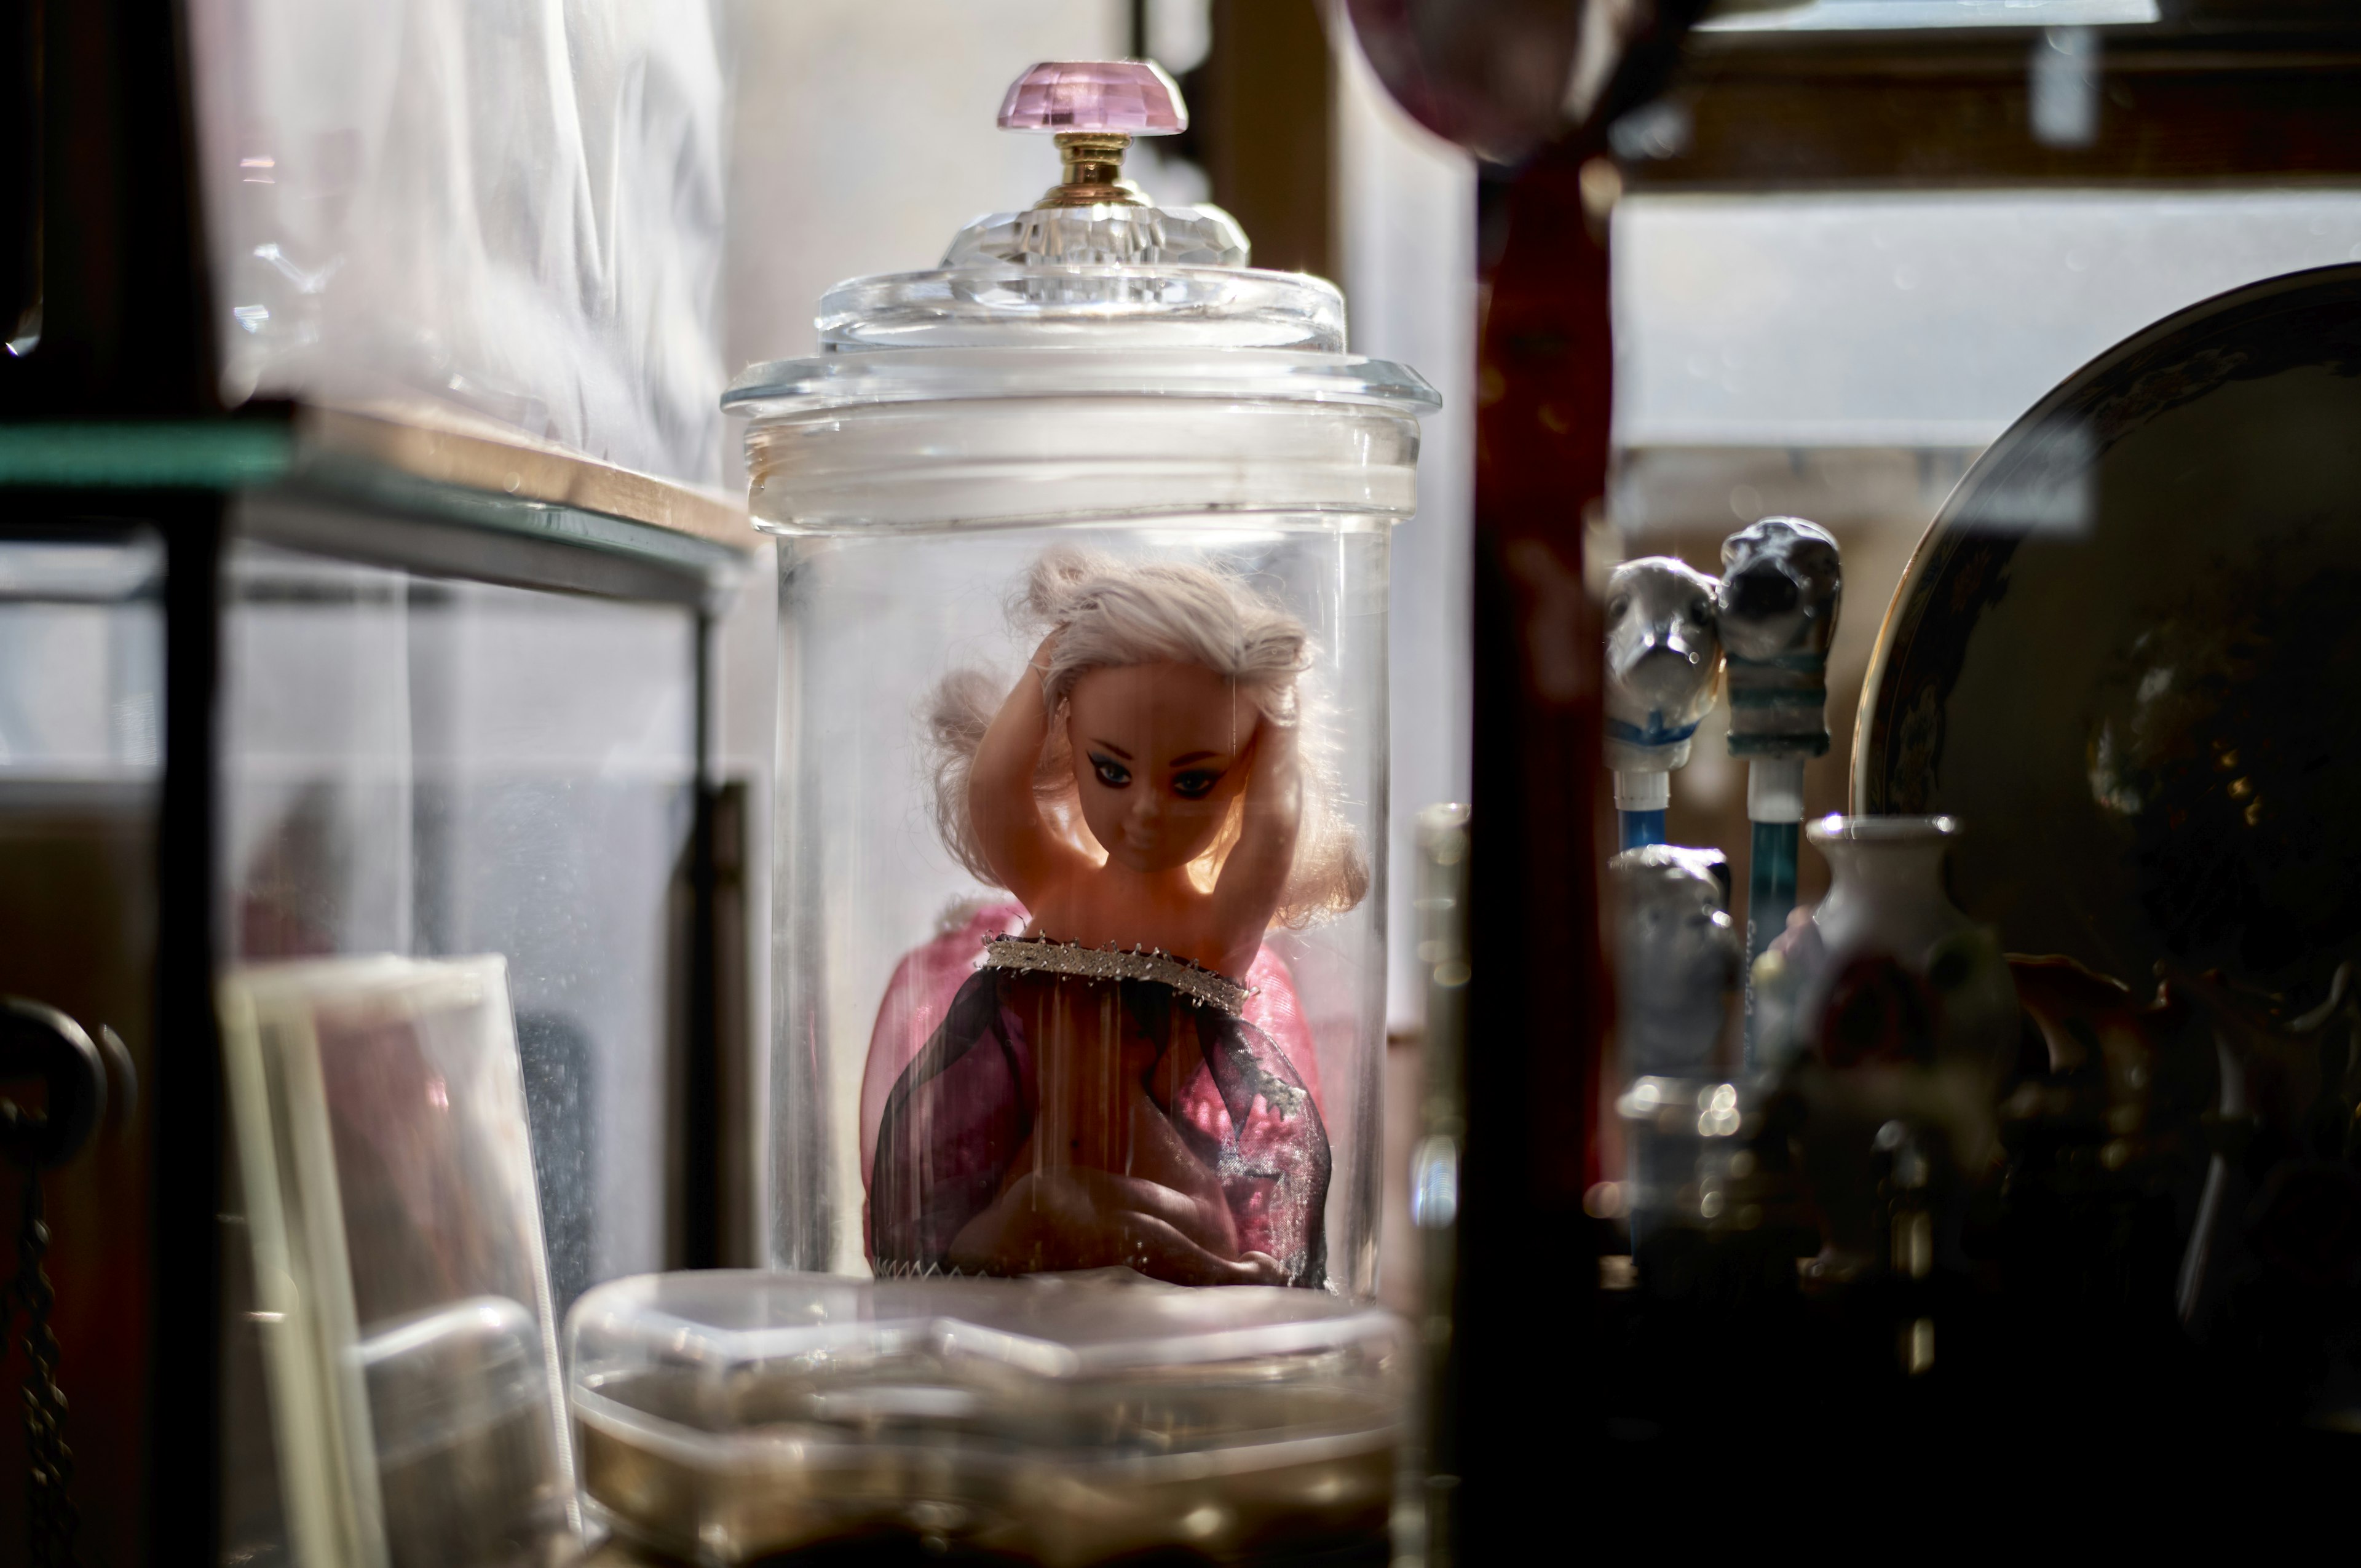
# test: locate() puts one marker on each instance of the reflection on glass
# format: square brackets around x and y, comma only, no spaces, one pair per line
[1916,319]
[81,660]
[82,677]
[402,1302]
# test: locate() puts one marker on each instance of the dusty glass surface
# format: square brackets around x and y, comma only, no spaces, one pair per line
[420,767]
[1845,358]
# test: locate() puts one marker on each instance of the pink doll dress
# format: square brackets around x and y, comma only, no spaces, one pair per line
[949,1099]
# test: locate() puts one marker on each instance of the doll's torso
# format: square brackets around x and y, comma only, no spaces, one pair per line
[1104,908]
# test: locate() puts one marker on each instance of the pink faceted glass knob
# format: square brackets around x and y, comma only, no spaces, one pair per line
[1130,98]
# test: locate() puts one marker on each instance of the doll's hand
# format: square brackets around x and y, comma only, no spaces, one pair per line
[1267,1270]
[1081,1218]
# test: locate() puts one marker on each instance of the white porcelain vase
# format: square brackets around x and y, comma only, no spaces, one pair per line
[1888,1004]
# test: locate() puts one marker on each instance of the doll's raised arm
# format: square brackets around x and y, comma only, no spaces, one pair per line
[1028,855]
[1254,877]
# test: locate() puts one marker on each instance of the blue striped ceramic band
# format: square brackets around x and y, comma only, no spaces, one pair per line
[1778,707]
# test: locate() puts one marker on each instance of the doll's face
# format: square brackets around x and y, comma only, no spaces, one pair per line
[1160,753]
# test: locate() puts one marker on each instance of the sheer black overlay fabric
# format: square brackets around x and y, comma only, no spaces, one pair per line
[960,1113]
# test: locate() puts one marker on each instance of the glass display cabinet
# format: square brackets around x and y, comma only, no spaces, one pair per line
[340,710]
[2061,293]
[360,847]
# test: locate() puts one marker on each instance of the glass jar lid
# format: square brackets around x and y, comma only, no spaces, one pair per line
[1122,295]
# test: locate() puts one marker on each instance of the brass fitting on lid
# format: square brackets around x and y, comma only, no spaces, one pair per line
[1093,164]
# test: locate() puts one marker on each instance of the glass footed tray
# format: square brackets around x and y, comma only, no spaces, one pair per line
[1064,1421]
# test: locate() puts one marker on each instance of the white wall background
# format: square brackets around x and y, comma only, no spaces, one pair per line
[863,139]
[1407,214]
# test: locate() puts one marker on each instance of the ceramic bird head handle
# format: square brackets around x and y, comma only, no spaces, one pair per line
[1782,581]
[1664,656]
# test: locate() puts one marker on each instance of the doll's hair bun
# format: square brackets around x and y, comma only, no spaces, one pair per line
[1111,613]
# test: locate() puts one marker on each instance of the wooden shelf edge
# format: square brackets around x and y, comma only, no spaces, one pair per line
[434,444]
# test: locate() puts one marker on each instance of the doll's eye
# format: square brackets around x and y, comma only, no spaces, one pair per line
[1194,784]
[1112,773]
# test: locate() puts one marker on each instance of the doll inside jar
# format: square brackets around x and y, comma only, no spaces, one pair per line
[1110,1069]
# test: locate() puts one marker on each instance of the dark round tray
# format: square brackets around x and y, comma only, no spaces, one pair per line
[2127,653]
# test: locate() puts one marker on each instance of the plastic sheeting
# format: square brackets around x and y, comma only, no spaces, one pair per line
[502,210]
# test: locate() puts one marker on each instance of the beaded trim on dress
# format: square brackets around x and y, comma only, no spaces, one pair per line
[1044,955]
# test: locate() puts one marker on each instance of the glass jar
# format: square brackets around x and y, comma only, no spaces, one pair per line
[1084,538]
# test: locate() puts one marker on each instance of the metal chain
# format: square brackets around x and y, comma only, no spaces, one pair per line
[50,1518]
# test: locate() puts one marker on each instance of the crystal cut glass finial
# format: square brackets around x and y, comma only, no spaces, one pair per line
[1132,96]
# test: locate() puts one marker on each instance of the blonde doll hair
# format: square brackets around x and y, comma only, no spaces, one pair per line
[1109,614]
